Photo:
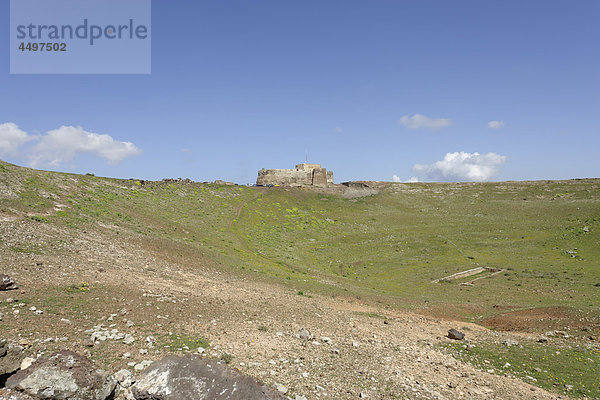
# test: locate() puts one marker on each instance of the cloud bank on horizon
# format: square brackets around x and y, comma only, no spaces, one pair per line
[61,145]
[459,166]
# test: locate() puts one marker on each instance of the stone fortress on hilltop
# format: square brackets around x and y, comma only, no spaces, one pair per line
[303,175]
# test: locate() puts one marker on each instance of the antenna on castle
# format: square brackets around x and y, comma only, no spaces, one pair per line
[306,160]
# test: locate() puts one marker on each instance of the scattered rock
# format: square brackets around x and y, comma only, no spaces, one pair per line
[542,339]
[510,342]
[150,340]
[9,394]
[280,388]
[125,378]
[143,365]
[7,283]
[455,335]
[304,334]
[355,343]
[26,363]
[65,321]
[63,375]
[191,377]
[128,339]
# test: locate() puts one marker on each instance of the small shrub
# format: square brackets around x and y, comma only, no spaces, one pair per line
[226,358]
[81,288]
[179,342]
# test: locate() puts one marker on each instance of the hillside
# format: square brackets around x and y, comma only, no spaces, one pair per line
[244,269]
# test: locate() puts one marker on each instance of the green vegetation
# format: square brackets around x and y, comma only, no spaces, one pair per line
[370,314]
[181,342]
[82,287]
[571,370]
[387,248]
[226,358]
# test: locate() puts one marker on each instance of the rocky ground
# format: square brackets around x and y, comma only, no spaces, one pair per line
[125,304]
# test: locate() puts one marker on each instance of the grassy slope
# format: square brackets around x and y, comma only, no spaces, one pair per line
[388,246]
[385,248]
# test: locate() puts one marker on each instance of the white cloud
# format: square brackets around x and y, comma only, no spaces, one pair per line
[413,179]
[495,124]
[419,121]
[461,166]
[63,144]
[11,138]
[338,129]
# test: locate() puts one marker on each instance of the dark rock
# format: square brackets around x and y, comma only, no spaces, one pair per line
[7,283]
[61,376]
[456,335]
[11,356]
[192,377]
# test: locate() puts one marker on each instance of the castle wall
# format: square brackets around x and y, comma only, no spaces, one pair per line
[303,175]
[284,177]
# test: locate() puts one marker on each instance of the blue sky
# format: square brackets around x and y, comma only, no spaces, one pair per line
[241,85]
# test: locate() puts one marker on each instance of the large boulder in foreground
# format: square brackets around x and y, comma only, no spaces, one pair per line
[192,378]
[61,376]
